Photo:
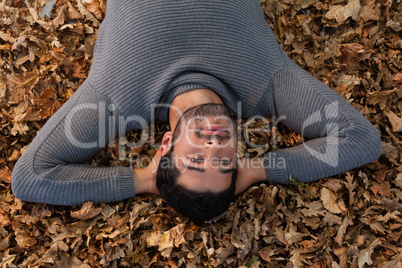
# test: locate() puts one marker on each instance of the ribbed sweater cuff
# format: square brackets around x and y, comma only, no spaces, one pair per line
[187,87]
[125,183]
[277,170]
[195,80]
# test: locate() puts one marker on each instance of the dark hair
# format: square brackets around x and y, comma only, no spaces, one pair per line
[198,206]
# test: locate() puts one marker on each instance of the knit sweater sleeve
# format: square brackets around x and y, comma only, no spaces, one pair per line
[51,170]
[336,137]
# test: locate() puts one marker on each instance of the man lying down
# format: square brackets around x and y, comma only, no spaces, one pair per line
[194,64]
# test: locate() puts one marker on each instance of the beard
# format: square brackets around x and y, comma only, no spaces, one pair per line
[202,111]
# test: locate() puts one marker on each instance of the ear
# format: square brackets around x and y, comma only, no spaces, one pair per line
[166,143]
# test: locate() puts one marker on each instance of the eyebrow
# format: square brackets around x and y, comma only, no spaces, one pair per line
[223,171]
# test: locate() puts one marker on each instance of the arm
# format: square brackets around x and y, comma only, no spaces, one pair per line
[337,137]
[145,178]
[51,170]
[249,171]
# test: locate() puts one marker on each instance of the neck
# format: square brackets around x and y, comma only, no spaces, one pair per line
[188,100]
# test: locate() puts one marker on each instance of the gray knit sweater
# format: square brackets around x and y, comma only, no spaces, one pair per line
[148,52]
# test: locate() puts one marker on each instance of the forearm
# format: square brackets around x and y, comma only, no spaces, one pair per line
[51,170]
[250,171]
[144,181]
[339,137]
[145,178]
[71,184]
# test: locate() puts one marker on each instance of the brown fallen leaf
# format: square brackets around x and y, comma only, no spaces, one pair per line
[24,239]
[369,11]
[347,80]
[49,256]
[60,17]
[20,85]
[334,185]
[153,238]
[19,129]
[14,156]
[242,236]
[342,230]
[72,12]
[19,111]
[365,255]
[329,200]
[390,151]
[5,174]
[292,236]
[342,255]
[383,188]
[94,7]
[396,262]
[4,219]
[395,25]
[350,185]
[396,121]
[67,261]
[341,13]
[5,242]
[47,103]
[35,15]
[266,253]
[88,15]
[31,115]
[347,52]
[397,78]
[398,181]
[87,211]
[381,97]
[7,37]
[269,218]
[8,261]
[295,258]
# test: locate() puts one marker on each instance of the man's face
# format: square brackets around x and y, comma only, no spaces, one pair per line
[205,148]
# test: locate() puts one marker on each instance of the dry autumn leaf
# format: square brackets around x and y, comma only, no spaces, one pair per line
[365,255]
[87,211]
[356,52]
[391,152]
[94,6]
[369,11]
[14,156]
[47,103]
[396,121]
[329,200]
[341,13]
[88,15]
[398,180]
[382,97]
[24,239]
[19,129]
[5,174]
[348,52]
[19,86]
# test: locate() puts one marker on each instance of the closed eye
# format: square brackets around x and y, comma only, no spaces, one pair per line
[225,161]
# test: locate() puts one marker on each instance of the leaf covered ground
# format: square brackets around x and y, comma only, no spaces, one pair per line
[350,220]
